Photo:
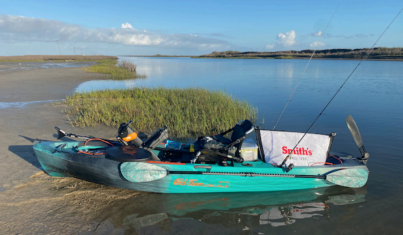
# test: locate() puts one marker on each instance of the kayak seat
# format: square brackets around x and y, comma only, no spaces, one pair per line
[155,139]
[214,148]
[221,139]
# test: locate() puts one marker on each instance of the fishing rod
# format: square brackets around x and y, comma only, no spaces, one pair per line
[363,59]
[292,93]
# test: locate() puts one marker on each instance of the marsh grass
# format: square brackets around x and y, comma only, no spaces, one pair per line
[128,65]
[187,112]
[114,72]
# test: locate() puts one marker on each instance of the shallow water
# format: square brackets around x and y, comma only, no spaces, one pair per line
[373,96]
[42,65]
[6,105]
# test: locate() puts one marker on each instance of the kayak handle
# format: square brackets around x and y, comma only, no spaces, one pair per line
[202,167]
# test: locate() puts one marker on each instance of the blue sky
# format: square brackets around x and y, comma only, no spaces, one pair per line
[193,27]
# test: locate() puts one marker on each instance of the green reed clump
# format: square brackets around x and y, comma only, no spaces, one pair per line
[114,72]
[187,112]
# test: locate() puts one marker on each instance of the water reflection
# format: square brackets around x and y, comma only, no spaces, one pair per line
[150,69]
[136,223]
[285,71]
[233,210]
[107,85]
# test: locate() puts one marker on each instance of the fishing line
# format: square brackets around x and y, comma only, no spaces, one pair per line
[363,59]
[318,124]
[292,93]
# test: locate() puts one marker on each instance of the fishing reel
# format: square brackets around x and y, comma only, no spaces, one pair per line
[289,167]
[126,135]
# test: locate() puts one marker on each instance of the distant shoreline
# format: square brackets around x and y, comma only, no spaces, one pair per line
[156,55]
[257,58]
[378,53]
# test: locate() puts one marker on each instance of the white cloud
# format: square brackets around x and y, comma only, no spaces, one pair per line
[317,34]
[286,39]
[20,28]
[127,26]
[317,44]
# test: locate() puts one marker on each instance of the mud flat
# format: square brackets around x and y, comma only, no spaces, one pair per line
[32,202]
[65,58]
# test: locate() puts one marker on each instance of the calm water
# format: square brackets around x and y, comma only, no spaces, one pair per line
[373,96]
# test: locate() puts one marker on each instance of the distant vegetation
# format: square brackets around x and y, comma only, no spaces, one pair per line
[126,70]
[157,55]
[187,112]
[379,53]
[128,65]
[63,58]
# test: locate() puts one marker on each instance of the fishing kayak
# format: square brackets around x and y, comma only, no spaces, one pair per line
[165,168]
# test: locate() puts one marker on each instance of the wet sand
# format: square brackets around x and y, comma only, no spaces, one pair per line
[19,85]
[32,202]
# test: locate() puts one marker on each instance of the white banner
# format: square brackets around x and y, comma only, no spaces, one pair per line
[277,145]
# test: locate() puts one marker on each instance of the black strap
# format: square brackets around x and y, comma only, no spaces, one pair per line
[227,131]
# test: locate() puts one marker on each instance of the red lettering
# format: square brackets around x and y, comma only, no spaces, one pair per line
[297,151]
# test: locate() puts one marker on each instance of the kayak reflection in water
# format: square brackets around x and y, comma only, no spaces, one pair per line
[286,215]
[243,210]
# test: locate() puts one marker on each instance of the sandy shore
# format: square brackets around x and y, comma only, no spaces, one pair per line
[32,202]
[18,85]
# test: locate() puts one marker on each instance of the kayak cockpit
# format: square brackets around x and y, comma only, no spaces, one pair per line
[215,149]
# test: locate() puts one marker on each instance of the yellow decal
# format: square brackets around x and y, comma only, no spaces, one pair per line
[192,182]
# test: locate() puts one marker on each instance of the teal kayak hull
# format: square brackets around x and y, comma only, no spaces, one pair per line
[99,169]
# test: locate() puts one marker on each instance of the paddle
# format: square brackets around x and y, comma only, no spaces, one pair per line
[61,134]
[357,138]
[352,178]
[138,172]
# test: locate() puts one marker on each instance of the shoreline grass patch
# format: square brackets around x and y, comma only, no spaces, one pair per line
[188,112]
[114,72]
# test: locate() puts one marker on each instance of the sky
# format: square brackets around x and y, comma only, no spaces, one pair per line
[193,27]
